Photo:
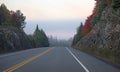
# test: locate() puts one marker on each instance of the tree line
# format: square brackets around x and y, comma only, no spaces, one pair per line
[54,42]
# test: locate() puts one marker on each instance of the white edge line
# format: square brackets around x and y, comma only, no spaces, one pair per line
[78,60]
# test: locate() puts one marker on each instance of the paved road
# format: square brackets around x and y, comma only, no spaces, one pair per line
[53,59]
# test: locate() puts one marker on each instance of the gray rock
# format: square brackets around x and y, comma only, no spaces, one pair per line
[13,39]
[106,33]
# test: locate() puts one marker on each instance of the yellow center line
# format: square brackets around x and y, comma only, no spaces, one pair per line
[13,68]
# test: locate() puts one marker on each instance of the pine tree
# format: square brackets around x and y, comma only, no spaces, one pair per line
[99,7]
[4,14]
[78,35]
[36,37]
[43,39]
[116,4]
[40,38]
[20,19]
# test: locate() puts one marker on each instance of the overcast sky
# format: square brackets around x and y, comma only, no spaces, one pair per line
[58,18]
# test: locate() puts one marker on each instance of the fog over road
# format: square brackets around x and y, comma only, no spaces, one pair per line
[52,59]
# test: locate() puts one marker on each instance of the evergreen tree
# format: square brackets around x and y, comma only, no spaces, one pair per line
[20,19]
[36,37]
[43,39]
[116,4]
[40,38]
[78,35]
[4,14]
[31,40]
[100,5]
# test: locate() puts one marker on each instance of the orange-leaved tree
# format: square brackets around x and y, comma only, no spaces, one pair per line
[87,27]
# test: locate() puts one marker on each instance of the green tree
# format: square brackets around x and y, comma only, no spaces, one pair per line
[11,18]
[40,38]
[4,14]
[116,4]
[43,39]
[31,38]
[78,35]
[36,37]
[101,5]
[20,19]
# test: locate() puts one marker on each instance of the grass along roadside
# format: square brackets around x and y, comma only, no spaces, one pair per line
[105,55]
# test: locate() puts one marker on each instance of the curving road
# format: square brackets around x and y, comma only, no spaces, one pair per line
[52,59]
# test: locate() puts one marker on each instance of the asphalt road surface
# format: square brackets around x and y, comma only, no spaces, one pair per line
[52,59]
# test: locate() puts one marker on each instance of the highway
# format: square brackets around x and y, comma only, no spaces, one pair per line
[53,59]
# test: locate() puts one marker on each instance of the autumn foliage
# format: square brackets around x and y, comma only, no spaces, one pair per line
[108,2]
[13,15]
[11,18]
[95,16]
[88,26]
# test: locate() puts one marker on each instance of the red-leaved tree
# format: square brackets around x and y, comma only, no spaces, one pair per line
[108,2]
[88,26]
[13,15]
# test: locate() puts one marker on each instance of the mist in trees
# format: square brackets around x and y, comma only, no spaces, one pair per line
[54,42]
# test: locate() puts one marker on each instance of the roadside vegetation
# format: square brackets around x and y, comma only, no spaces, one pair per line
[12,36]
[39,38]
[104,54]
[111,55]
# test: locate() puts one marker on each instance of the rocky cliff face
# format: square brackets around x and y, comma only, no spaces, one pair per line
[13,39]
[106,33]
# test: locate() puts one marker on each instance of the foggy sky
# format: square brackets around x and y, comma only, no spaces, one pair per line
[58,18]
